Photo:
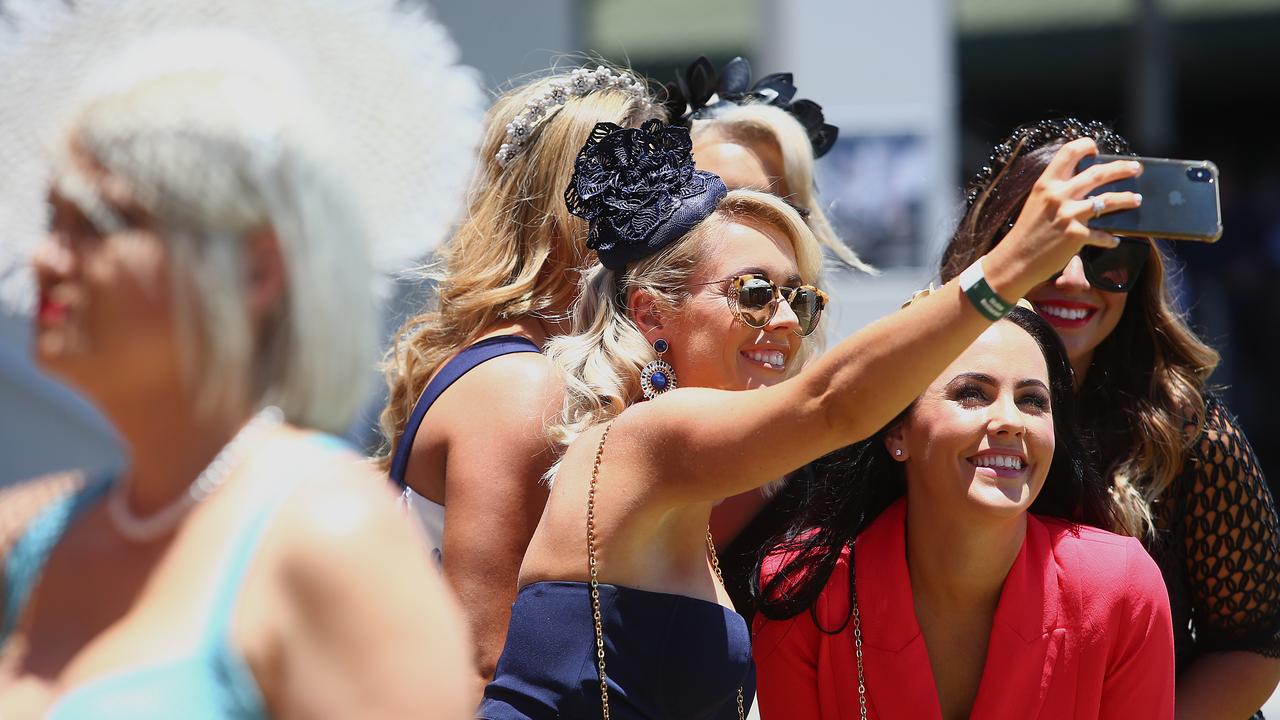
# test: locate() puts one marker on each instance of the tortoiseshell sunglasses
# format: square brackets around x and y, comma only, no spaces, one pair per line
[755,299]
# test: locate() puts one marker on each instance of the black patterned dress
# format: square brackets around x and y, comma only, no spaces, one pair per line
[1218,546]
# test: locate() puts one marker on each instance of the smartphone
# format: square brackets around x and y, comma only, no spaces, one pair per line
[1179,200]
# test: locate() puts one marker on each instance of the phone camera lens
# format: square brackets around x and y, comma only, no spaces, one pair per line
[1198,174]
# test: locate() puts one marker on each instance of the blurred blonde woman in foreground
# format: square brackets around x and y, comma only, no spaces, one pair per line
[205,281]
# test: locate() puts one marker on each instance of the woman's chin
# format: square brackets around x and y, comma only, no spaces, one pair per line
[54,351]
[1004,498]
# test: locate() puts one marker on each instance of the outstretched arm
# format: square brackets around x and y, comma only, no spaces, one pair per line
[710,444]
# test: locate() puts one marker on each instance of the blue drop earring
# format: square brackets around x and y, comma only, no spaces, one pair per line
[657,376]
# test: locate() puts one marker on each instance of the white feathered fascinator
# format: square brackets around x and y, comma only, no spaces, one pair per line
[401,120]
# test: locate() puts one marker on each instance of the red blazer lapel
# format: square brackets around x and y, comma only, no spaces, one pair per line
[1026,640]
[895,661]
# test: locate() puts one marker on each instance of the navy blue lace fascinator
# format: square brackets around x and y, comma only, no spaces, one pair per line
[699,90]
[639,190]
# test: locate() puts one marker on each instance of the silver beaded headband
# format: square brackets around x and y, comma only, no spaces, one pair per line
[580,82]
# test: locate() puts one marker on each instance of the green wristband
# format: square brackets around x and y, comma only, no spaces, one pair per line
[973,281]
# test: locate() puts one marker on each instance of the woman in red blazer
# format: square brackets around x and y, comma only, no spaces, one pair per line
[975,595]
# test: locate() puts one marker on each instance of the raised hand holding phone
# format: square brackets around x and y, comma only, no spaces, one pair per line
[1181,200]
[1053,224]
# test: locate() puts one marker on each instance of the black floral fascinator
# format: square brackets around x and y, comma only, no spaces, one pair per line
[700,90]
[638,189]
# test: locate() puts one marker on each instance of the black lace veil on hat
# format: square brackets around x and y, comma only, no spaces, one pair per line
[639,190]
[699,90]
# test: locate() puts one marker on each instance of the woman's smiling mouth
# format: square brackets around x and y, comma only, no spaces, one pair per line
[1001,464]
[772,359]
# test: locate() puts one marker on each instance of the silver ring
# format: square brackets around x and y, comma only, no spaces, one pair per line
[1098,205]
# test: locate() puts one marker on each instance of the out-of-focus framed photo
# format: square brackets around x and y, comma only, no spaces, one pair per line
[877,189]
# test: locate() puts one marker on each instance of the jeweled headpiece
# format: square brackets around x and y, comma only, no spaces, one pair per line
[639,190]
[700,90]
[578,83]
[1033,136]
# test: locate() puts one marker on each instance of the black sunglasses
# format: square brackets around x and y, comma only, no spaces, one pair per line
[1108,269]
[1114,269]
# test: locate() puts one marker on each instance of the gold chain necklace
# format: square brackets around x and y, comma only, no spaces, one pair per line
[595,584]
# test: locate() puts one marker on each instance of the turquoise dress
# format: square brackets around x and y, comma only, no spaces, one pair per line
[210,682]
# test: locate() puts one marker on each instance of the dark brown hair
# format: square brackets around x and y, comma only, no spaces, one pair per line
[850,487]
[1143,396]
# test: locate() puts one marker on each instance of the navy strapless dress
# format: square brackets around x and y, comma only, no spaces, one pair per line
[666,656]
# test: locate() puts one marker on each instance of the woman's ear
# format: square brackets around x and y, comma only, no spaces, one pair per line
[895,441]
[265,274]
[643,308]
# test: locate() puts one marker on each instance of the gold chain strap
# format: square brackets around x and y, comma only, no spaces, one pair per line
[595,583]
[857,638]
[593,566]
[715,565]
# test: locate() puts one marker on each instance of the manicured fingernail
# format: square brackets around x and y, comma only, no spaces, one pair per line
[1138,197]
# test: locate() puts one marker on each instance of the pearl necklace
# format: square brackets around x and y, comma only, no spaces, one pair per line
[145,529]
